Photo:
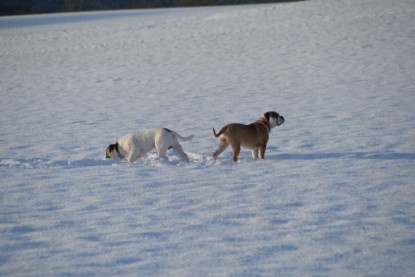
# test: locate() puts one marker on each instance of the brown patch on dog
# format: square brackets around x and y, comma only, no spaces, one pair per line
[111,148]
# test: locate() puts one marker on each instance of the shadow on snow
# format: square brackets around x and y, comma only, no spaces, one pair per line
[44,163]
[343,155]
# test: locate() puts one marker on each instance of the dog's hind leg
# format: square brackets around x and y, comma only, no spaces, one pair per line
[236,147]
[255,153]
[179,150]
[161,152]
[221,147]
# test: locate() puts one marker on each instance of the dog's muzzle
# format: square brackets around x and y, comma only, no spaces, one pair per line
[280,120]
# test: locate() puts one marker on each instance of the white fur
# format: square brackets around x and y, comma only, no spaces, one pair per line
[275,121]
[134,145]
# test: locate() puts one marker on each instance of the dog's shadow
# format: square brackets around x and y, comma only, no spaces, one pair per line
[342,155]
[201,159]
[46,163]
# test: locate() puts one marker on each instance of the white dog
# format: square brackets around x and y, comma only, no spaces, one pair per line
[134,145]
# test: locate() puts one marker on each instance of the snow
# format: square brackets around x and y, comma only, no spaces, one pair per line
[334,195]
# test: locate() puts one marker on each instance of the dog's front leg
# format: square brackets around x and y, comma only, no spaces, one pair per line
[262,151]
[133,155]
[255,153]
[130,158]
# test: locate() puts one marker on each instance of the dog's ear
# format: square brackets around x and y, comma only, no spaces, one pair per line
[110,149]
[114,147]
[267,116]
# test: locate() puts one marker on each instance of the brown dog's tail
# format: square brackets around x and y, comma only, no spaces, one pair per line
[220,132]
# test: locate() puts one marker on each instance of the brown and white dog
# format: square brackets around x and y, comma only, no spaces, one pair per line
[253,136]
[134,145]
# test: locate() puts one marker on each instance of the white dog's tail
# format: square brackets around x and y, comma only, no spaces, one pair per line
[183,138]
[179,136]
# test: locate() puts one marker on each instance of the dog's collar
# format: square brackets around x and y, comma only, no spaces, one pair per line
[117,150]
[265,122]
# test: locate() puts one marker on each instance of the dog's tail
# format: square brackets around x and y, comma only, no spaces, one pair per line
[183,138]
[220,132]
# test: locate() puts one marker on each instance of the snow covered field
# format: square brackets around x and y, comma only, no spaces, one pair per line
[335,195]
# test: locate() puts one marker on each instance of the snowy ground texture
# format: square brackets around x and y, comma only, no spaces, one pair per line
[335,195]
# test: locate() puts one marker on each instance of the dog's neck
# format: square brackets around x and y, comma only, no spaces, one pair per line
[264,121]
[117,150]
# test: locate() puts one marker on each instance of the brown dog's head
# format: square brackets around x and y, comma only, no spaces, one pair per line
[274,118]
[112,152]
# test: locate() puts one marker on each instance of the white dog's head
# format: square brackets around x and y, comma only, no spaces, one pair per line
[112,152]
[274,119]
